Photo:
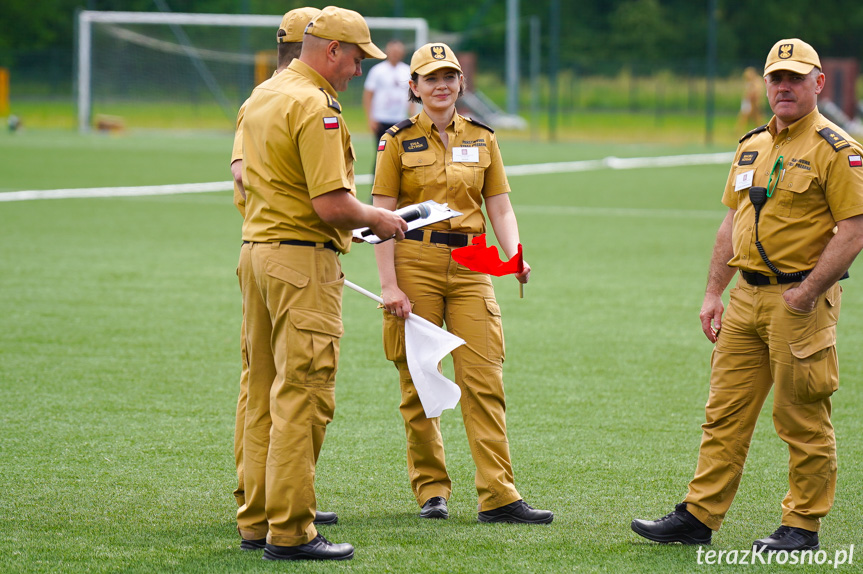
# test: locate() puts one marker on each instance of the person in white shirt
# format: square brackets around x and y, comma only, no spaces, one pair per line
[385,92]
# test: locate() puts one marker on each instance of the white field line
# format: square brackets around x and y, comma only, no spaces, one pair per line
[514,170]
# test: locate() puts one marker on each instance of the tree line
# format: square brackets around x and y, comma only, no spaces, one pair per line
[619,30]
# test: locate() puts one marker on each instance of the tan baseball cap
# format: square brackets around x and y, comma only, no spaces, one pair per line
[792,54]
[294,24]
[334,23]
[433,57]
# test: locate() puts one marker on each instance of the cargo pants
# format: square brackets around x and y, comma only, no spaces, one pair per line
[764,342]
[293,328]
[441,291]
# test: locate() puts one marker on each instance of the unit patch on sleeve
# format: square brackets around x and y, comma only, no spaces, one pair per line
[855,161]
[331,123]
[418,144]
[747,157]
[382,145]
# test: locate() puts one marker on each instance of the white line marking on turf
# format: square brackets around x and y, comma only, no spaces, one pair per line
[570,210]
[514,170]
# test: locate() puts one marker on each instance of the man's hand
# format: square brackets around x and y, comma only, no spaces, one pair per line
[799,300]
[388,224]
[711,316]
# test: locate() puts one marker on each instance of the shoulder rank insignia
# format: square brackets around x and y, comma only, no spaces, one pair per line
[479,123]
[751,133]
[835,140]
[331,102]
[400,126]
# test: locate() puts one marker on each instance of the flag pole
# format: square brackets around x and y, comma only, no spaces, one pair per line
[521,290]
[359,289]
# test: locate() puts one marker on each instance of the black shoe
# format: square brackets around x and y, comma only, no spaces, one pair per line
[318,549]
[678,526]
[518,512]
[435,507]
[326,518]
[788,538]
[253,544]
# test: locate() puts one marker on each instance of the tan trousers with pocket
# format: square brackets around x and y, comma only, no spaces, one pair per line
[293,328]
[764,343]
[441,291]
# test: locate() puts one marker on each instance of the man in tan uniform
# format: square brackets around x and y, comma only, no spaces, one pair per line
[289,39]
[300,203]
[793,228]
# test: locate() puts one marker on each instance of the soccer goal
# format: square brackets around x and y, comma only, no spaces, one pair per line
[188,65]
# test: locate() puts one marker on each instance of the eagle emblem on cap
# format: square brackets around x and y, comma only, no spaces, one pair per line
[438,53]
[785,51]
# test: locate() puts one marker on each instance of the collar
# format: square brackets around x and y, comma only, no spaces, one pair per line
[798,127]
[427,125]
[310,73]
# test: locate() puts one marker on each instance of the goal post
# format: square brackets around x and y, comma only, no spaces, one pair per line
[211,63]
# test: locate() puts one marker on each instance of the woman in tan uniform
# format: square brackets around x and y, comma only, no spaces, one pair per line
[442,156]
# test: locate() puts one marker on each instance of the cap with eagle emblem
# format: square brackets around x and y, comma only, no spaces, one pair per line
[791,54]
[434,56]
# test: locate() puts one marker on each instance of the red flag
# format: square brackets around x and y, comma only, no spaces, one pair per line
[478,257]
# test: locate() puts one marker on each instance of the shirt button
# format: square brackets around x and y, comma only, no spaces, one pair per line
[452,188]
[777,147]
[788,139]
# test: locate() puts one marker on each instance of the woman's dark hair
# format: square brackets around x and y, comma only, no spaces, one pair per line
[413,98]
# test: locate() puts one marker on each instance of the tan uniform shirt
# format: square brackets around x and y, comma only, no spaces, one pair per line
[820,182]
[296,147]
[237,153]
[414,166]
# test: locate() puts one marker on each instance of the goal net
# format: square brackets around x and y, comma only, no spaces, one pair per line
[162,69]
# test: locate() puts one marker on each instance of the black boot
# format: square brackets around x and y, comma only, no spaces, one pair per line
[788,538]
[518,512]
[435,507]
[678,526]
[318,549]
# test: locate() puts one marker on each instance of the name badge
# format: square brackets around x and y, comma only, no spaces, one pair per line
[744,180]
[465,154]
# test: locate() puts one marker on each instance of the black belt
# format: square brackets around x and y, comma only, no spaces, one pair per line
[451,239]
[759,279]
[328,245]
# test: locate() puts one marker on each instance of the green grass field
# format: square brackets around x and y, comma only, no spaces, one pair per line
[119,364]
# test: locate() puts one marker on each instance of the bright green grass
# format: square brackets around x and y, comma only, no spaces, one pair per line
[119,363]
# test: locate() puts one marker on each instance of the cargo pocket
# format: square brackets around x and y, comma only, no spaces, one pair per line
[496,347]
[314,346]
[816,368]
[286,274]
[394,337]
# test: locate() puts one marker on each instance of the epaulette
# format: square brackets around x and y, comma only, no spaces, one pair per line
[835,140]
[479,123]
[751,133]
[331,102]
[393,130]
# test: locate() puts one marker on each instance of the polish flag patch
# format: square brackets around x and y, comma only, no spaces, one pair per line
[855,161]
[331,123]
[383,144]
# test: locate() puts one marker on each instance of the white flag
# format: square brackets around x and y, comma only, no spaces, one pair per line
[425,345]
